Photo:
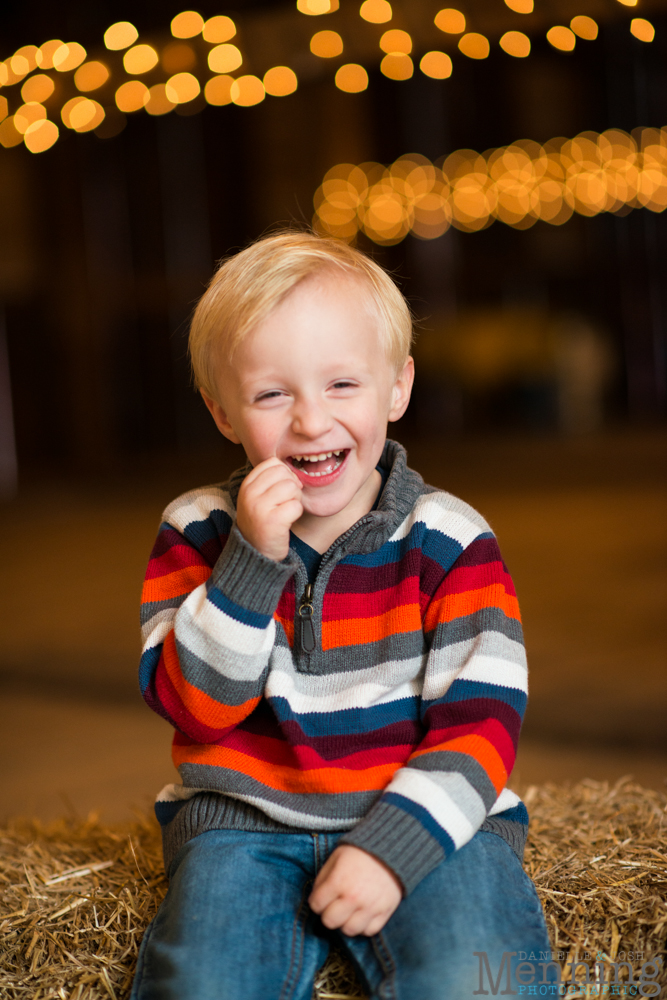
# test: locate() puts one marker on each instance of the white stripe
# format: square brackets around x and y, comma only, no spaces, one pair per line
[281,685]
[197,506]
[482,669]
[416,786]
[506,800]
[157,635]
[456,524]
[198,613]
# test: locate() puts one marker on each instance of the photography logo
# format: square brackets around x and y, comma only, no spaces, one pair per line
[540,974]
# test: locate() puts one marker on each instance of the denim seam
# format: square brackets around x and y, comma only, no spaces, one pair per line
[387,988]
[139,971]
[298,937]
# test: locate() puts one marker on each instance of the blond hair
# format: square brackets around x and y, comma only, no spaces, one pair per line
[247,286]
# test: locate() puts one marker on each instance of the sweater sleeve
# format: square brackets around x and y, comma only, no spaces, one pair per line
[473,700]
[208,628]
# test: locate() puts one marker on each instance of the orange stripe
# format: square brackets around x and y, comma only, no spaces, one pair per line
[182,581]
[355,631]
[288,779]
[204,708]
[481,749]
[452,606]
[288,625]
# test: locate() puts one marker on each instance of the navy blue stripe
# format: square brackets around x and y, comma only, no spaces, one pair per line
[464,690]
[148,665]
[235,611]
[423,817]
[348,720]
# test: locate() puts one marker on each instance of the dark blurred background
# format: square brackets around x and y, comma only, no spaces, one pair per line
[106,242]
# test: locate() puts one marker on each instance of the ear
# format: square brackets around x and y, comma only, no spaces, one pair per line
[220,417]
[402,390]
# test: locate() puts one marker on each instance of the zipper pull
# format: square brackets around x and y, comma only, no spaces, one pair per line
[305,611]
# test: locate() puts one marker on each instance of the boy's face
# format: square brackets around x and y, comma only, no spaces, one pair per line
[312,385]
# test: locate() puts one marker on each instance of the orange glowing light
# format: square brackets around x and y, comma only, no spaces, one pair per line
[585,27]
[140,59]
[450,21]
[279,81]
[182,88]
[47,51]
[177,57]
[316,7]
[352,78]
[516,44]
[376,11]
[19,66]
[68,57]
[132,96]
[187,24]
[158,103]
[561,38]
[9,134]
[37,88]
[474,46]
[219,29]
[31,54]
[247,91]
[397,66]
[520,6]
[91,76]
[437,65]
[86,115]
[120,35]
[642,29]
[396,40]
[326,44]
[4,108]
[41,136]
[27,115]
[628,3]
[224,58]
[218,90]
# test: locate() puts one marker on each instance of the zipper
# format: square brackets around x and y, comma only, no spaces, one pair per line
[305,612]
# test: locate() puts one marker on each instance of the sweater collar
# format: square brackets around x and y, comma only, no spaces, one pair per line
[400,493]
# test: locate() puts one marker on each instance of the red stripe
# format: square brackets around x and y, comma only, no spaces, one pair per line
[176,558]
[370,604]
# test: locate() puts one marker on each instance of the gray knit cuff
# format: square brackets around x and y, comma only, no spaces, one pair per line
[247,577]
[400,841]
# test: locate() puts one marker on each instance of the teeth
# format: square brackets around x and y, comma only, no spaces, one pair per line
[317,458]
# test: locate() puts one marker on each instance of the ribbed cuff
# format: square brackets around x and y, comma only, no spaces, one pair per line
[247,577]
[400,841]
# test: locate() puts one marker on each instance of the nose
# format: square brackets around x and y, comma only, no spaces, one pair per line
[311,418]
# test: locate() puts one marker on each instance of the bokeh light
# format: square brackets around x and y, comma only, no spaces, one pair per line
[31,55]
[437,65]
[474,46]
[37,88]
[326,44]
[187,24]
[140,59]
[27,114]
[642,29]
[561,38]
[120,35]
[86,115]
[516,44]
[352,78]
[41,136]
[158,103]
[396,40]
[218,29]
[628,3]
[218,90]
[68,57]
[450,21]
[178,57]
[376,11]
[182,88]
[279,81]
[132,96]
[9,134]
[247,91]
[224,58]
[315,7]
[91,76]
[520,6]
[4,107]
[397,66]
[47,51]
[584,27]
[517,185]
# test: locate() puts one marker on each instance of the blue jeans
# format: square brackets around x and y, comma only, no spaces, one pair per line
[236,925]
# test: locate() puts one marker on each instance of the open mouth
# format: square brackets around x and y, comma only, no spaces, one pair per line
[321,464]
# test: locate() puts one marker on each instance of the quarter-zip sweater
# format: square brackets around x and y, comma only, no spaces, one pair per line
[386,701]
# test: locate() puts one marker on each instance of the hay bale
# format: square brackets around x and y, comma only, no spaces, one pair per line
[76,896]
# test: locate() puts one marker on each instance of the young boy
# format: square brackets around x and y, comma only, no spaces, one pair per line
[338,647]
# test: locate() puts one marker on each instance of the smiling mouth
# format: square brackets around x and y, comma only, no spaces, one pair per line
[321,464]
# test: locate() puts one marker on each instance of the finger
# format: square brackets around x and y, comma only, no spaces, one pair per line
[263,476]
[337,913]
[375,924]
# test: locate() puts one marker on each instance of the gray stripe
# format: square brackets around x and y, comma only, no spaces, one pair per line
[250,579]
[342,808]
[158,607]
[480,622]
[448,762]
[398,839]
[214,683]
[514,833]
[404,646]
[450,657]
[198,645]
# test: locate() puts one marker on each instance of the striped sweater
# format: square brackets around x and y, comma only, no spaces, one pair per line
[386,704]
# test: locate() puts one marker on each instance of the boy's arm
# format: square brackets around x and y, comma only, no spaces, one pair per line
[473,700]
[208,630]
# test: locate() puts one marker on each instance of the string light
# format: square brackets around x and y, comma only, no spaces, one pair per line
[120,35]
[140,59]
[352,78]
[642,29]
[376,11]
[40,136]
[218,90]
[437,65]
[561,38]
[182,88]
[90,76]
[474,46]
[520,6]
[247,91]
[326,44]
[187,24]
[517,185]
[584,27]
[397,66]
[516,44]
[280,81]
[218,29]
[37,88]
[396,40]
[450,21]
[68,57]
[315,7]
[224,58]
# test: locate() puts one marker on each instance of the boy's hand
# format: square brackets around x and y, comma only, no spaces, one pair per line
[268,505]
[355,891]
